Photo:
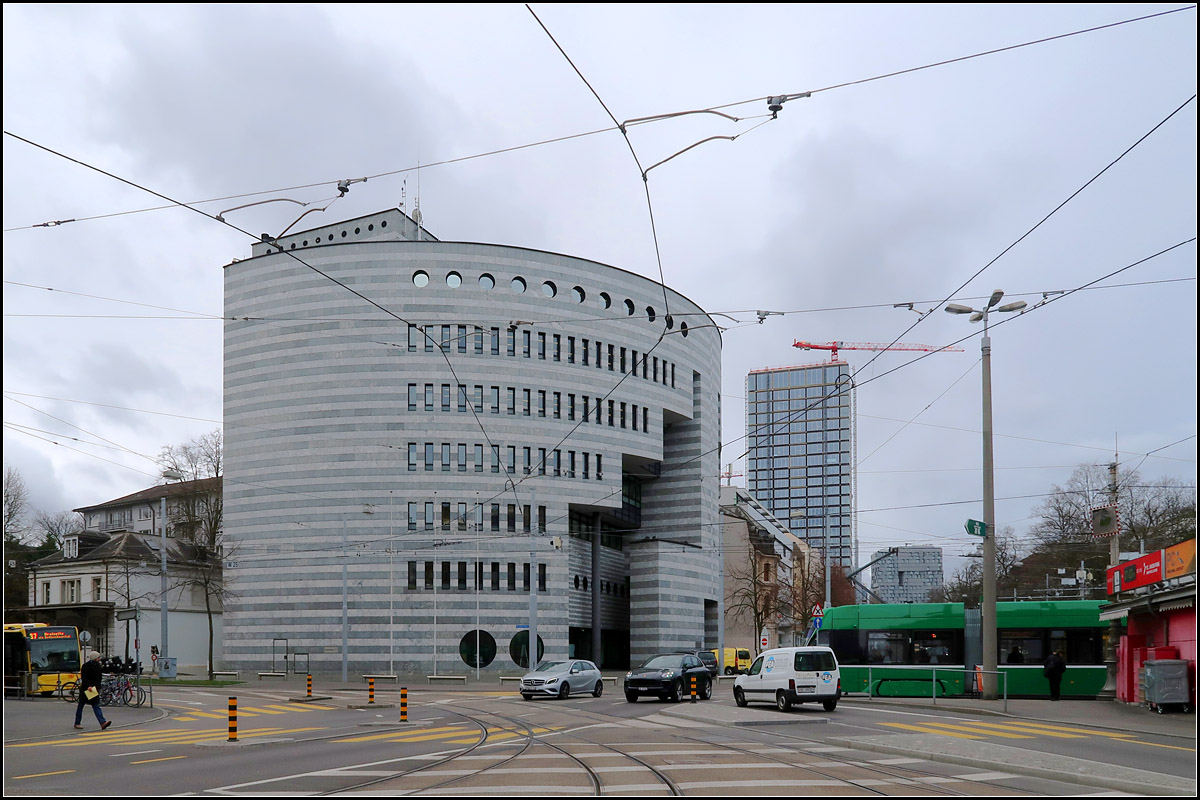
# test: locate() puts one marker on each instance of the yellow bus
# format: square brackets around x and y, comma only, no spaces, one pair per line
[39,657]
[736,661]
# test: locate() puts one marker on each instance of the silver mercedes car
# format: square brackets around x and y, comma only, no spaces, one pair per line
[561,678]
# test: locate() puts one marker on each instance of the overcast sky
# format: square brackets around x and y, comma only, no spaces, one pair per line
[908,188]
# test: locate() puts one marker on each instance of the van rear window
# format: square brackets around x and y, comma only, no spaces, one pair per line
[814,662]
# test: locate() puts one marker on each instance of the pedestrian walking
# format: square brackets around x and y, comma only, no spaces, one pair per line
[90,677]
[1056,665]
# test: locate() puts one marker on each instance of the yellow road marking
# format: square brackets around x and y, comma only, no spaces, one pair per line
[423,735]
[43,774]
[1087,731]
[167,737]
[968,729]
[1168,746]
[90,737]
[210,715]
[919,729]
[302,707]
[153,760]
[1024,729]
[258,710]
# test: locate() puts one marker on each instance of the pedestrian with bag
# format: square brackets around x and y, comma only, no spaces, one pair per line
[90,677]
[1055,666]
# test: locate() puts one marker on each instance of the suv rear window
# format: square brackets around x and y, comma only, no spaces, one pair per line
[814,662]
[707,657]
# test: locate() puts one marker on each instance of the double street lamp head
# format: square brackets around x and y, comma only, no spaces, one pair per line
[981,314]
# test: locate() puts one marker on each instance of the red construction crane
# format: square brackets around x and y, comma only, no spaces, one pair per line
[835,346]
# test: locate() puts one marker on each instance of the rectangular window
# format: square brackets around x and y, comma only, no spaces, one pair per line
[495,458]
[541,461]
[495,516]
[557,347]
[512,517]
[445,574]
[586,350]
[525,519]
[557,463]
[495,399]
[558,405]
[634,417]
[414,516]
[656,369]
[478,340]
[413,397]
[478,399]
[512,400]
[600,410]
[462,575]
[512,577]
[445,456]
[414,336]
[541,345]
[445,397]
[511,346]
[586,463]
[645,420]
[462,338]
[428,574]
[462,399]
[526,452]
[412,575]
[611,350]
[570,349]
[541,402]
[479,458]
[495,575]
[446,337]
[462,456]
[525,405]
[622,415]
[429,456]
[571,407]
[412,456]
[525,343]
[429,331]
[633,362]
[541,519]
[525,576]
[429,515]
[570,463]
[97,590]
[611,407]
[623,370]
[495,339]
[512,459]
[429,397]
[542,576]
[587,413]
[445,516]
[599,467]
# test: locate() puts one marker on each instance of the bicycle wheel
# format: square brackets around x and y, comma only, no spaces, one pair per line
[124,695]
[139,697]
[69,691]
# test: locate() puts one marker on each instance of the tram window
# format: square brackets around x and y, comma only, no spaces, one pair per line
[1029,645]
[935,647]
[886,647]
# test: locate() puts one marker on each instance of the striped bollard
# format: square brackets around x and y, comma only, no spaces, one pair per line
[404,704]
[310,685]
[693,688]
[233,719]
[370,691]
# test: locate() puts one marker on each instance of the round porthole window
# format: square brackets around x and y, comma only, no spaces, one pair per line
[549,289]
[518,649]
[683,329]
[420,279]
[605,300]
[629,307]
[477,649]
[453,280]
[518,285]
[670,322]
[487,282]
[650,315]
[578,295]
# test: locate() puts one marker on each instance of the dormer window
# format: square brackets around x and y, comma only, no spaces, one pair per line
[71,547]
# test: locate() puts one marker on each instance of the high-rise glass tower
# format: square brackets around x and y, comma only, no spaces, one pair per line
[800,426]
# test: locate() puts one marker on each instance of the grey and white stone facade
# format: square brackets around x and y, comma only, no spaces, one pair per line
[406,417]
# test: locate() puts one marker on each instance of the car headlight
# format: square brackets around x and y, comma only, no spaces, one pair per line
[552,680]
[628,675]
[670,673]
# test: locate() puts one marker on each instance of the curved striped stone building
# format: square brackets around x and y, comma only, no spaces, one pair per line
[420,435]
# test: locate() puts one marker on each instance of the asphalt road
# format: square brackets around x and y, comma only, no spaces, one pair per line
[479,742]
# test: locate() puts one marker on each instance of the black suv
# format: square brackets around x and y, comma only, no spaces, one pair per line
[708,659]
[669,676]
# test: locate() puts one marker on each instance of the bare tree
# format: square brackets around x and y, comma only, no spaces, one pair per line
[56,527]
[752,593]
[16,507]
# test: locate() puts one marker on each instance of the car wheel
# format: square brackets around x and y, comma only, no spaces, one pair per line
[829,705]
[599,690]
[739,697]
[631,697]
[782,702]
[676,691]
[563,691]
[706,690]
[729,670]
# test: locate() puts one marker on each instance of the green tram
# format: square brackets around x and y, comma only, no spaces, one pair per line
[915,650]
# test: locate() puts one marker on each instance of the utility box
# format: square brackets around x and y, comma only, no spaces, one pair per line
[1167,684]
[166,668]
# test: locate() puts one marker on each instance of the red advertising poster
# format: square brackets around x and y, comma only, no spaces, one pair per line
[1143,571]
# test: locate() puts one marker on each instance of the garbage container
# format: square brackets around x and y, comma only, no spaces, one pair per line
[1167,684]
[166,668]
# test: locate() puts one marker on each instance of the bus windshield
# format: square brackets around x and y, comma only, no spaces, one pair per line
[53,650]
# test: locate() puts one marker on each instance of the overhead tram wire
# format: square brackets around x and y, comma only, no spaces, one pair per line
[627,123]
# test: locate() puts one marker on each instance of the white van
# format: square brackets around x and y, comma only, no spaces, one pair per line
[789,675]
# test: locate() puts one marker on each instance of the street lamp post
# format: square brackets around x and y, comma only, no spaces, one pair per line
[990,645]
[171,475]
